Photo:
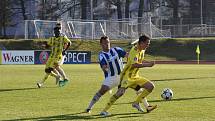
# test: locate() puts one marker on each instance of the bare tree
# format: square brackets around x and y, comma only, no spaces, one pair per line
[195,10]
[127,13]
[5,16]
[23,7]
[140,15]
[84,9]
[119,11]
[119,14]
[49,10]
[174,4]
[94,6]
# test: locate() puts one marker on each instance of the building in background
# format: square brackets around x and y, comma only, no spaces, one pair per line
[163,12]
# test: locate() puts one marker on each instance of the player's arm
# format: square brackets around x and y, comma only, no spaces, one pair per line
[136,64]
[104,68]
[151,62]
[103,63]
[127,54]
[45,45]
[122,53]
[143,64]
[67,45]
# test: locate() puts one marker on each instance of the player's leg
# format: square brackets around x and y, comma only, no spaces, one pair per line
[139,90]
[52,73]
[61,71]
[147,106]
[97,96]
[49,72]
[56,72]
[40,83]
[121,90]
[49,63]
[148,87]
[108,83]
[112,100]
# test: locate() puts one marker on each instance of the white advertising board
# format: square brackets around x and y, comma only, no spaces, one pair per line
[17,57]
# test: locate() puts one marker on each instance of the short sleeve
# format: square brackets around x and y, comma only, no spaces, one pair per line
[66,39]
[120,52]
[133,57]
[102,60]
[50,42]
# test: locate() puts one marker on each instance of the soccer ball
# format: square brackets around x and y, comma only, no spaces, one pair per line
[167,94]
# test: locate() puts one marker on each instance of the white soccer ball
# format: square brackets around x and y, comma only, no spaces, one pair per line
[167,94]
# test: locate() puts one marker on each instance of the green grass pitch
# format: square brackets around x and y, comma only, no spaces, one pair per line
[20,99]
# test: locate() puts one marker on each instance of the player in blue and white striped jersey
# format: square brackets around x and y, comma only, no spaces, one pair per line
[111,63]
[112,60]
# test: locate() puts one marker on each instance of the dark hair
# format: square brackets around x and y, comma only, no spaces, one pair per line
[143,38]
[103,38]
[56,28]
[58,24]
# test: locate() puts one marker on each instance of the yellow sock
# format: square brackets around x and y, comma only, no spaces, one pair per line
[111,102]
[45,78]
[140,96]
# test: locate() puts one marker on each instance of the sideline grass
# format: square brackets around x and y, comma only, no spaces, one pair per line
[193,87]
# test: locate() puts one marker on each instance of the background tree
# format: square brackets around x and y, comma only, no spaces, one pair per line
[195,11]
[127,11]
[23,8]
[174,4]
[119,15]
[94,6]
[83,9]
[49,10]
[140,15]
[5,16]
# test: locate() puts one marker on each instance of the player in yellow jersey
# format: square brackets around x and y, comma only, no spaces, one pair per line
[59,44]
[130,77]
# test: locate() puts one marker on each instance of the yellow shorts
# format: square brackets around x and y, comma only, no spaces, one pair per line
[134,82]
[52,62]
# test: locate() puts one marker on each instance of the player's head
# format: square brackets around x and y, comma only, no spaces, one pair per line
[57,31]
[58,25]
[105,43]
[144,42]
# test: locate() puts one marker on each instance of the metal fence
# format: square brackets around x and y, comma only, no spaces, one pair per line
[95,29]
[116,29]
[190,30]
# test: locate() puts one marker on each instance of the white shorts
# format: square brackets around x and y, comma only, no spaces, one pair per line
[112,81]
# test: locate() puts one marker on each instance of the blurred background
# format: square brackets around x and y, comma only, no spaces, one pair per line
[119,19]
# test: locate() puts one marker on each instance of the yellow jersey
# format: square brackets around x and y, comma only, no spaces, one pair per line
[135,56]
[57,46]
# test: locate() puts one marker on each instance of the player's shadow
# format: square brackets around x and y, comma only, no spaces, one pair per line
[74,116]
[17,89]
[176,79]
[184,99]
[176,99]
[7,90]
[79,116]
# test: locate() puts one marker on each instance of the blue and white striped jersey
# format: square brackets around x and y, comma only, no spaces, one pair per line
[113,59]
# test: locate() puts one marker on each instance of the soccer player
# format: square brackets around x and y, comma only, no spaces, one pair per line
[60,70]
[130,77]
[111,63]
[58,49]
